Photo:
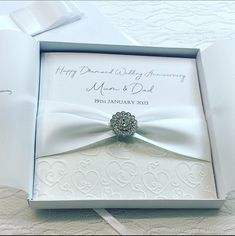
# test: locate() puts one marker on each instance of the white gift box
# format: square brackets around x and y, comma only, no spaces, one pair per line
[19,92]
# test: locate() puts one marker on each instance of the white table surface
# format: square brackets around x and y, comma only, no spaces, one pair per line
[183,24]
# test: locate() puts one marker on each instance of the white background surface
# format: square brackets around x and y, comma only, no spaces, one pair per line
[191,24]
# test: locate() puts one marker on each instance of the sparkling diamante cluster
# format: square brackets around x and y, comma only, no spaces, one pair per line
[123,124]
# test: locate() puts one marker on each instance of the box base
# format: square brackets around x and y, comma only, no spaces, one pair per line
[167,204]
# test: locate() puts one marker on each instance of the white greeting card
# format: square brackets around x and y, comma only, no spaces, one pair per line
[113,168]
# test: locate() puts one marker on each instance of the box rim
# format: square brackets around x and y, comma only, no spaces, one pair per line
[46,46]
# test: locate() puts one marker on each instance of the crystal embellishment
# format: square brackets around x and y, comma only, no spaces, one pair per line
[123,124]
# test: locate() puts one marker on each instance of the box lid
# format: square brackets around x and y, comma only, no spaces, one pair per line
[18,102]
[219,71]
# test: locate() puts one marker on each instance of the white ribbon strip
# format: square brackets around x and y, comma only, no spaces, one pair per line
[41,16]
[116,225]
[64,127]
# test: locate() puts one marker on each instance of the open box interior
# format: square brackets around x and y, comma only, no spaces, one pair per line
[115,201]
[216,87]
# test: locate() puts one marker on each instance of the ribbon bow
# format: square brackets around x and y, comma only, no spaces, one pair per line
[64,127]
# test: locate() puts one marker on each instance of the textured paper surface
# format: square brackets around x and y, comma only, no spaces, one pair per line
[119,170]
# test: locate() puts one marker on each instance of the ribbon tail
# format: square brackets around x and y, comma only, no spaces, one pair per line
[117,226]
[60,133]
[165,147]
[97,140]
[187,137]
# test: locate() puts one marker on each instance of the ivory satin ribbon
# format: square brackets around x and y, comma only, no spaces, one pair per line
[66,127]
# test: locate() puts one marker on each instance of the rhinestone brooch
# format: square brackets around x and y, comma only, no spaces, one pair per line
[123,124]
